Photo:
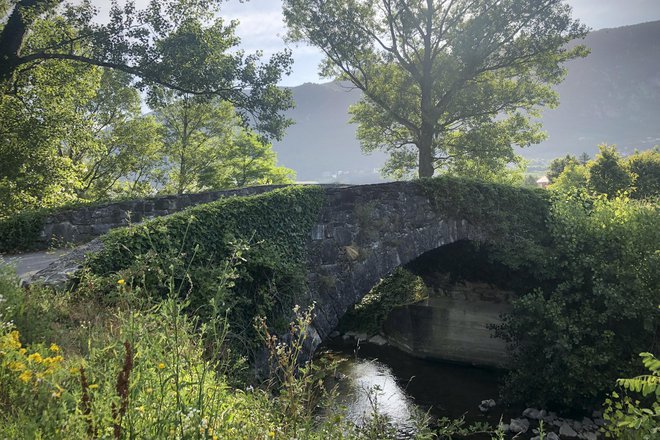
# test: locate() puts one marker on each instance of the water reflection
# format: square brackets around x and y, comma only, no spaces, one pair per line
[408,386]
[369,385]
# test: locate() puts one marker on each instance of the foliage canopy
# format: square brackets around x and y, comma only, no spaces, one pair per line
[439,75]
[574,336]
[178,44]
[206,147]
[609,173]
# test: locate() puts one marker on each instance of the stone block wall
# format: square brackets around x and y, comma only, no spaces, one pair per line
[83,224]
[448,329]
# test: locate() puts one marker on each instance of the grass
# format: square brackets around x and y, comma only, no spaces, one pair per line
[76,365]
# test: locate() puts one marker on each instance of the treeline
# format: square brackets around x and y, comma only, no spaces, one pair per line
[74,132]
[609,173]
[73,90]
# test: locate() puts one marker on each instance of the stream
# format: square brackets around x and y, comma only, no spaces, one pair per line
[399,384]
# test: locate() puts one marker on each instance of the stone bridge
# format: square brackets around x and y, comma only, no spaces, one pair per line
[362,234]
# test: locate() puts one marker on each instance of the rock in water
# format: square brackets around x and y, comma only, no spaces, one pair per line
[486,405]
[378,340]
[565,430]
[532,413]
[518,426]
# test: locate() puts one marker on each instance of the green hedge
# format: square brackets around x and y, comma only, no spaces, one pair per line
[504,210]
[20,232]
[193,247]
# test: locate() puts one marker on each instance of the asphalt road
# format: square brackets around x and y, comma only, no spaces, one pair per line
[29,263]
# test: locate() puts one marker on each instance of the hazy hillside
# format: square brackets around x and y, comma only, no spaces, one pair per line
[322,143]
[611,96]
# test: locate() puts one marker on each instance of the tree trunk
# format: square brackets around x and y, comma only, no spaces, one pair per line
[426,132]
[16,28]
[183,173]
[425,166]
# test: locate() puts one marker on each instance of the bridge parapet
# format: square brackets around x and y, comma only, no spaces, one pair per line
[80,225]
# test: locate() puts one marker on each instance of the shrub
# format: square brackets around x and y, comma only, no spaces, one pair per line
[20,232]
[646,166]
[572,340]
[143,373]
[264,236]
[400,288]
[149,374]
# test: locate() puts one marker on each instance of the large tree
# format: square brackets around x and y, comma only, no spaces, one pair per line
[179,44]
[646,166]
[206,148]
[122,149]
[196,131]
[71,131]
[443,80]
[43,129]
[559,164]
[608,173]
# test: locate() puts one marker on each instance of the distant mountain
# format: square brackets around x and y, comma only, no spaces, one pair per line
[611,96]
[321,146]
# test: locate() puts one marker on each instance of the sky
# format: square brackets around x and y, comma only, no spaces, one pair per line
[262,27]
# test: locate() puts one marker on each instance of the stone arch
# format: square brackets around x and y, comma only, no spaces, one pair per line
[363,234]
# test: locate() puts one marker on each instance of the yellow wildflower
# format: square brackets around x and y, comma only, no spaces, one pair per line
[22,351]
[14,340]
[58,392]
[25,376]
[121,282]
[16,366]
[36,358]
[161,366]
[54,348]
[53,360]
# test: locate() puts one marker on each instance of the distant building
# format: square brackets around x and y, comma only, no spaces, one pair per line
[543,182]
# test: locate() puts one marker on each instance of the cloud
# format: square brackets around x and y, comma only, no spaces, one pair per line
[261,29]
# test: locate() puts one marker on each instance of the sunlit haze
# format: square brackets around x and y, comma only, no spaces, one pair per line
[262,26]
